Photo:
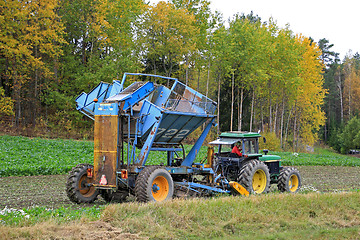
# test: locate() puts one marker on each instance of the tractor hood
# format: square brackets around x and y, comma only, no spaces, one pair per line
[269,157]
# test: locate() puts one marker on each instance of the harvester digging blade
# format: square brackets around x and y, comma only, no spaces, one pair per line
[239,189]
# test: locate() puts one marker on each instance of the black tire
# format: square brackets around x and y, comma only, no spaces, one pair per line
[255,177]
[289,180]
[76,188]
[114,197]
[154,184]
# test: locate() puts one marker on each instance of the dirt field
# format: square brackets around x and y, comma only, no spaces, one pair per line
[49,191]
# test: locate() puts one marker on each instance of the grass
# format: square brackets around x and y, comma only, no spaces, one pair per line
[320,157]
[21,156]
[271,216]
[33,215]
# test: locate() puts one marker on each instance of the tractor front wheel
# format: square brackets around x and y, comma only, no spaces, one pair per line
[255,177]
[78,186]
[154,184]
[289,180]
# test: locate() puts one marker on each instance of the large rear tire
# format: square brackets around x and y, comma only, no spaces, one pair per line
[289,180]
[154,184]
[77,186]
[255,177]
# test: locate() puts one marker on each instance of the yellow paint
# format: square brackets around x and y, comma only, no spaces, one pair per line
[238,188]
[259,181]
[210,156]
[107,186]
[105,149]
[293,183]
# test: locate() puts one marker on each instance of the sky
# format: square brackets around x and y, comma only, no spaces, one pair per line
[334,20]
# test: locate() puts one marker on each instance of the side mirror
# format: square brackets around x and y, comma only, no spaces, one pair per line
[264,139]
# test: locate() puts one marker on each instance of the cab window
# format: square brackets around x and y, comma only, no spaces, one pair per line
[250,145]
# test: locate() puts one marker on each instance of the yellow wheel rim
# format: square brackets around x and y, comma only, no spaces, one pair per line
[293,183]
[84,189]
[160,188]
[259,181]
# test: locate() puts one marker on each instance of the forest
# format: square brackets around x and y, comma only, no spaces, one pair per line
[264,77]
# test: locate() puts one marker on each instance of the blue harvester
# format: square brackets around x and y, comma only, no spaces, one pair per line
[130,122]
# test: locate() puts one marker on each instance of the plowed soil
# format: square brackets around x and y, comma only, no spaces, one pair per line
[49,191]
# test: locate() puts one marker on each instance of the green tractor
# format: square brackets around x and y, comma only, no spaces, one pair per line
[252,170]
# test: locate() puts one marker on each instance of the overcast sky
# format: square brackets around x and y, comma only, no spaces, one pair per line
[336,21]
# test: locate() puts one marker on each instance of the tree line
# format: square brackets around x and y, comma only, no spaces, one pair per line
[341,129]
[262,76]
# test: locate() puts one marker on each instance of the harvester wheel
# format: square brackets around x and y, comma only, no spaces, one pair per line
[154,184]
[289,180]
[77,187]
[114,197]
[255,177]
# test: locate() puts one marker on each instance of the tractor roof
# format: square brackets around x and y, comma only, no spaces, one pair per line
[239,134]
[229,138]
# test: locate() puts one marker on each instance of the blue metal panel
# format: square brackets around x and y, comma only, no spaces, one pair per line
[192,185]
[85,102]
[167,149]
[188,161]
[161,95]
[80,100]
[117,87]
[174,128]
[106,109]
[177,170]
[142,157]
[147,111]
[138,95]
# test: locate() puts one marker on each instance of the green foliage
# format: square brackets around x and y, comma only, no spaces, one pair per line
[350,137]
[20,156]
[334,140]
[272,142]
[168,36]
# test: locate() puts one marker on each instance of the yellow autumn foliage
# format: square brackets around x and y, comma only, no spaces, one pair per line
[6,104]
[311,93]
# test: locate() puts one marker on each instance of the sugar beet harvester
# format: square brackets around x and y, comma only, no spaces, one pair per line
[145,116]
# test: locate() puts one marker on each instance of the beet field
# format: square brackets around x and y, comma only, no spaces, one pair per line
[34,205]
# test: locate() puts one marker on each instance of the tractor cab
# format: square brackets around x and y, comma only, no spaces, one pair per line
[248,144]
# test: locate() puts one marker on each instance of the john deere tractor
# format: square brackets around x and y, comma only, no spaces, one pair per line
[253,170]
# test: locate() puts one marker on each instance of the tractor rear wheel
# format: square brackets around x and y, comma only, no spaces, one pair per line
[154,184]
[114,197]
[255,177]
[289,180]
[78,186]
